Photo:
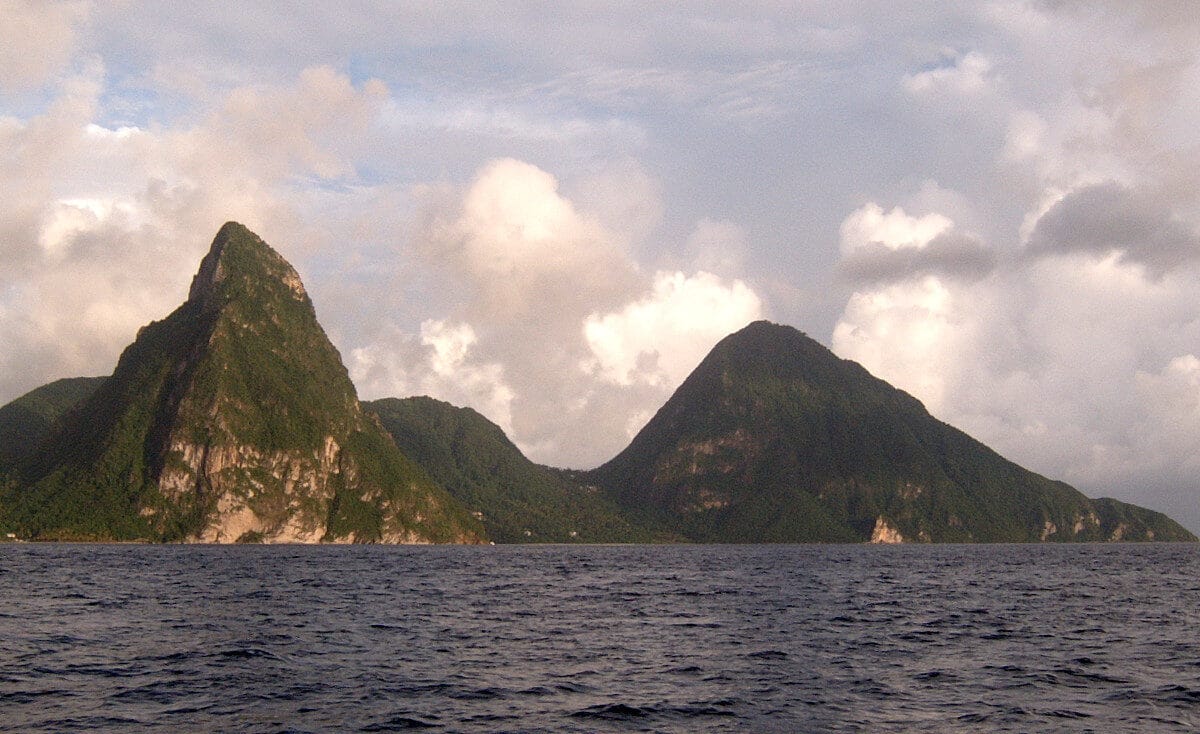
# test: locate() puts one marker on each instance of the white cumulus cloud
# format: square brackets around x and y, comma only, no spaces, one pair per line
[894,229]
[519,243]
[441,363]
[661,338]
[1074,359]
[551,305]
[104,226]
[907,333]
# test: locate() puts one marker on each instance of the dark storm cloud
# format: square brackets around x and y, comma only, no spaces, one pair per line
[1110,217]
[951,254]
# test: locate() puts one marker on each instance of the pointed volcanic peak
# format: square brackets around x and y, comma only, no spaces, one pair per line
[517,500]
[773,438]
[233,419]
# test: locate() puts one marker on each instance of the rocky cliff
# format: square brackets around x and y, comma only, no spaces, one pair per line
[233,419]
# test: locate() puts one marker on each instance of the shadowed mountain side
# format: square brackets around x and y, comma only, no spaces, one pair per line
[26,421]
[773,438]
[519,501]
[232,419]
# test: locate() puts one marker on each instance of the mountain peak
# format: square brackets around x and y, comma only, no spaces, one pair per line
[763,326]
[775,438]
[233,419]
[767,353]
[240,260]
[765,340]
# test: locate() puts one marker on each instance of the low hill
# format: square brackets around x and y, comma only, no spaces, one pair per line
[26,421]
[518,500]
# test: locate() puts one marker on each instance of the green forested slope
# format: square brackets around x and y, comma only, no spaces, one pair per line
[26,421]
[774,438]
[519,501]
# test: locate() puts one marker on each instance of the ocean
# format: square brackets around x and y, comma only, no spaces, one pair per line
[987,638]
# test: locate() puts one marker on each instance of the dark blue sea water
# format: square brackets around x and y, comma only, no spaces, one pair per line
[1102,638]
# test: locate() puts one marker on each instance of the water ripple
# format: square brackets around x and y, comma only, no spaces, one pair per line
[579,639]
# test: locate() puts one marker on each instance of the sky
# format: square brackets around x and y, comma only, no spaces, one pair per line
[550,212]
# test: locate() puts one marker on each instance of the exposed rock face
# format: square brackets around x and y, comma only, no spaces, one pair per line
[233,419]
[280,501]
[884,533]
[773,438]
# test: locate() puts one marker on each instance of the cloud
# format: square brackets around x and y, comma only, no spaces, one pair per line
[312,127]
[513,223]
[958,73]
[552,309]
[718,246]
[623,197]
[951,255]
[880,247]
[36,40]
[738,92]
[660,339]
[906,333]
[894,230]
[450,345]
[104,226]
[441,363]
[1057,374]
[1110,217]
[1076,360]
[1171,421]
[520,244]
